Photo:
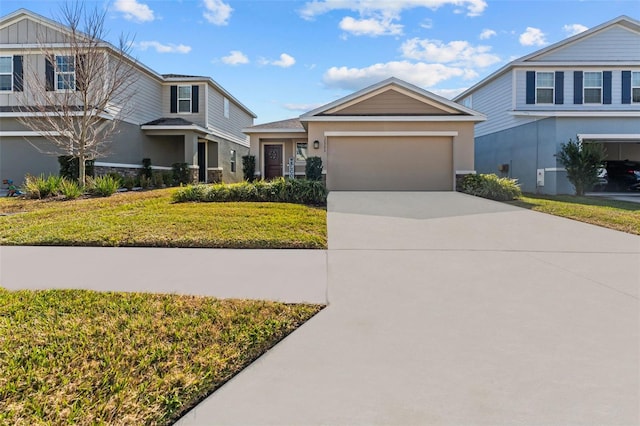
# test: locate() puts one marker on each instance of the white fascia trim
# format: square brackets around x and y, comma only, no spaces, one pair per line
[571,65]
[49,114]
[27,133]
[228,136]
[215,168]
[250,130]
[398,133]
[574,113]
[190,128]
[128,166]
[356,119]
[555,169]
[614,137]
[465,172]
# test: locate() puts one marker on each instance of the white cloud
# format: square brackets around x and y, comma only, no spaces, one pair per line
[573,29]
[533,37]
[427,24]
[164,48]
[285,61]
[372,27]
[389,8]
[302,107]
[421,74]
[487,34]
[448,93]
[235,57]
[217,12]
[458,53]
[134,11]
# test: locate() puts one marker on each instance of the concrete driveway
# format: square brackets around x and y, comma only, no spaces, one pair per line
[447,309]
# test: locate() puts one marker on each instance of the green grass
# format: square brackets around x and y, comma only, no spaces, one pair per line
[151,219]
[81,357]
[619,215]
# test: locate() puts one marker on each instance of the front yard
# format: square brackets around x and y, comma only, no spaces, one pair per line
[619,215]
[151,219]
[81,357]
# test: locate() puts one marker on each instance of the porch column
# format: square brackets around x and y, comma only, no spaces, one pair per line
[191,154]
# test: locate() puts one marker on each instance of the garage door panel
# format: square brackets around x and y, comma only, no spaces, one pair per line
[390,163]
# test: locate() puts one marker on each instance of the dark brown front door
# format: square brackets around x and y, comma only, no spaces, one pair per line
[272,161]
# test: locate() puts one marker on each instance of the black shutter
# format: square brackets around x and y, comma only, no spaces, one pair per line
[50,76]
[577,87]
[606,87]
[194,99]
[174,99]
[81,72]
[531,87]
[559,89]
[626,87]
[18,74]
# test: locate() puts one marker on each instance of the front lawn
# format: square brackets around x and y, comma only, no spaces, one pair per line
[151,219]
[619,215]
[82,357]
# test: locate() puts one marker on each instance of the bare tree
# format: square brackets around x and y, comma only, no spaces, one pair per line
[85,89]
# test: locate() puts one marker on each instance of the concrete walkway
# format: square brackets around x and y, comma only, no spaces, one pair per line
[445,309]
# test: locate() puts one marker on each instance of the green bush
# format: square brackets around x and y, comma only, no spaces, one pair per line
[128,182]
[181,175]
[582,162]
[103,186]
[146,170]
[70,167]
[41,187]
[167,178]
[70,189]
[301,191]
[249,167]
[145,182]
[157,179]
[491,186]
[313,171]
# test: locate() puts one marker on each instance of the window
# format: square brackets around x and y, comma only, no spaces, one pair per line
[635,86]
[544,87]
[233,160]
[65,73]
[467,102]
[6,72]
[592,87]
[301,152]
[225,106]
[184,98]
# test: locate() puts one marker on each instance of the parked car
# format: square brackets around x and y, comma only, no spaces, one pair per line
[623,175]
[602,182]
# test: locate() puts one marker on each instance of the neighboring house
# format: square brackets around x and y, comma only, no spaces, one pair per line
[585,87]
[172,119]
[389,136]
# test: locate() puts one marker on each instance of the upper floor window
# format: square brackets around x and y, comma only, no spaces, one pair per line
[635,86]
[6,72]
[65,73]
[225,107]
[593,87]
[544,87]
[184,99]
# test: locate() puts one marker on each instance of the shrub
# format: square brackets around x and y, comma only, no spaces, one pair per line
[191,193]
[41,187]
[128,182]
[157,180]
[249,167]
[167,178]
[582,162]
[491,186]
[180,173]
[69,167]
[103,186]
[146,170]
[70,189]
[145,182]
[313,171]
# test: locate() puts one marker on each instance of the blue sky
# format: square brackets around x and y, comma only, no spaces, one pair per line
[283,58]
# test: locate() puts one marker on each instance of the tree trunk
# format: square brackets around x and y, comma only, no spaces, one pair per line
[81,170]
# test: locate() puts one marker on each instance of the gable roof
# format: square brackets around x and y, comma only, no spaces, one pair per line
[436,108]
[624,21]
[291,125]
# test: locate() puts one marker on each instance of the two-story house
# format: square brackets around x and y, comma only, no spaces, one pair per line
[585,87]
[170,118]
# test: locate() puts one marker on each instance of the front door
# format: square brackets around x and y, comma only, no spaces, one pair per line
[272,161]
[202,162]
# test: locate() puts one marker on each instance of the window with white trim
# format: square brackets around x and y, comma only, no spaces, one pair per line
[593,87]
[65,73]
[184,99]
[544,87]
[233,160]
[6,73]
[225,107]
[301,152]
[635,87]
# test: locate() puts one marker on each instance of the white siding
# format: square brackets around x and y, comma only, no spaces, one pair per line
[199,117]
[28,31]
[238,118]
[614,44]
[145,102]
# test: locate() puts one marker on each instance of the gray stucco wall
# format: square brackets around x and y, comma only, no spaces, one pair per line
[224,160]
[533,146]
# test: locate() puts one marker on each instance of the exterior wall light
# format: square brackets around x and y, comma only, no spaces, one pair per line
[316,144]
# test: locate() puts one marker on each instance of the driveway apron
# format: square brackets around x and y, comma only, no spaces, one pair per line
[447,309]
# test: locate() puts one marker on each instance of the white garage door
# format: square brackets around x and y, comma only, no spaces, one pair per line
[389,163]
